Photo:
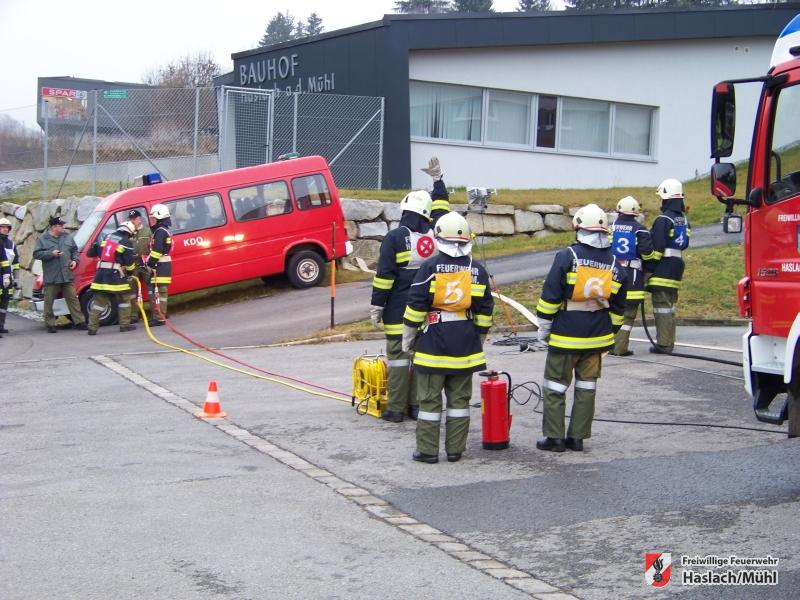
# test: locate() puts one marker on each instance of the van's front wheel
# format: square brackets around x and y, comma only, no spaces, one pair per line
[109,314]
[305,269]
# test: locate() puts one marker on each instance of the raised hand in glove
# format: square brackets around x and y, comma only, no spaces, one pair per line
[375,315]
[7,280]
[409,338]
[544,330]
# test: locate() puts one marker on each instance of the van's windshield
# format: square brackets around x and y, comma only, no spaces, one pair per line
[87,229]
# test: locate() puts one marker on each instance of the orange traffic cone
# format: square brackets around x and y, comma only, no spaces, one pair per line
[211,408]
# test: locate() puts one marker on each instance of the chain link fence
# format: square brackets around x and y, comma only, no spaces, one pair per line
[109,137]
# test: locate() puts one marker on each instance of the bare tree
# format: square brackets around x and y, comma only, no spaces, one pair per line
[190,71]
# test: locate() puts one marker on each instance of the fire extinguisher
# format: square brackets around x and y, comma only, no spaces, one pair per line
[495,410]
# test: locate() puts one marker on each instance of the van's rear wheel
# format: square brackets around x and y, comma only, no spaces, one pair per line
[108,316]
[305,269]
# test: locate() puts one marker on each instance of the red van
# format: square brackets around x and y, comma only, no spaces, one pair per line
[234,225]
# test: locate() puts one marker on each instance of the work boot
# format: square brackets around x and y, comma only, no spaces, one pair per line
[52,329]
[551,444]
[392,416]
[82,326]
[3,330]
[656,349]
[574,444]
[155,323]
[454,457]
[92,331]
[425,458]
[125,328]
[413,412]
[626,353]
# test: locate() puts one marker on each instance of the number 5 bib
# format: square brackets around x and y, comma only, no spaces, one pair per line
[453,291]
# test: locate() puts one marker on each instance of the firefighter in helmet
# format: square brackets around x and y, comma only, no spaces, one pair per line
[671,233]
[160,263]
[117,263]
[439,195]
[9,267]
[140,273]
[631,244]
[448,315]
[581,307]
[402,252]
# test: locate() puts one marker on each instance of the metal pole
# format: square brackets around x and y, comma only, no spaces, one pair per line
[94,148]
[333,273]
[294,127]
[380,146]
[222,115]
[270,126]
[196,120]
[46,143]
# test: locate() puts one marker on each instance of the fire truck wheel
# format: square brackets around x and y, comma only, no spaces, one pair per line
[107,317]
[305,269]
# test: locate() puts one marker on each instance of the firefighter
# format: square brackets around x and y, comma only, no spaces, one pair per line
[631,244]
[9,267]
[117,262]
[450,307]
[439,196]
[402,252]
[581,307]
[140,273]
[671,233]
[160,263]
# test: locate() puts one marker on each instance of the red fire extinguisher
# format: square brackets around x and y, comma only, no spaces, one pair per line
[495,410]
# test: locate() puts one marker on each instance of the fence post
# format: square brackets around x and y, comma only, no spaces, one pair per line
[196,115]
[94,146]
[294,124]
[46,143]
[222,116]
[271,126]
[380,146]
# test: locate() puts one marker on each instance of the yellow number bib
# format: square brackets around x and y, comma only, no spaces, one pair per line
[453,291]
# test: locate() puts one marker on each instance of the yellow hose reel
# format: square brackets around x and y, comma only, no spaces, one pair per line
[369,384]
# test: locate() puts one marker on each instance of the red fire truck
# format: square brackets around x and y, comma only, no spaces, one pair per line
[769,293]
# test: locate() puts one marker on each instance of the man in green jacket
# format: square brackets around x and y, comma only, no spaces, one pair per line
[59,256]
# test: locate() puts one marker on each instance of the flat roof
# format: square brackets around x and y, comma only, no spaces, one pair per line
[470,30]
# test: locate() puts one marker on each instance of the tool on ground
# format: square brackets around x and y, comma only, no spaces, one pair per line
[495,410]
[369,384]
[211,407]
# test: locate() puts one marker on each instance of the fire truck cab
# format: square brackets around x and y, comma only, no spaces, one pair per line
[769,293]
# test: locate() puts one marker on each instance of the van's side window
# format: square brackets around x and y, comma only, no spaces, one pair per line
[259,201]
[200,212]
[120,217]
[311,192]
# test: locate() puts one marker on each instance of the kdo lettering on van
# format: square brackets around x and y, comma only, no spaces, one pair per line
[196,241]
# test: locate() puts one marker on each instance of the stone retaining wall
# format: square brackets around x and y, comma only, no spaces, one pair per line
[367,222]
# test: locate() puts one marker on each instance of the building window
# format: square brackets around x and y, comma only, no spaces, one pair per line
[632,126]
[584,125]
[508,117]
[446,111]
[561,124]
[546,121]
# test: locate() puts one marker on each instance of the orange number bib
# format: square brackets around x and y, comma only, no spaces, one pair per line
[453,291]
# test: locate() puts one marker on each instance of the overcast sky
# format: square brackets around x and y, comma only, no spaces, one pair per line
[121,41]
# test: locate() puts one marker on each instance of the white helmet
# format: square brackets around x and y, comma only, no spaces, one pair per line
[5,222]
[159,211]
[628,206]
[452,227]
[417,202]
[128,226]
[670,188]
[591,217]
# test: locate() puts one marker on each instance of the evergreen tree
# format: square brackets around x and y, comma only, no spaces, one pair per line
[314,24]
[422,6]
[281,28]
[464,6]
[534,6]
